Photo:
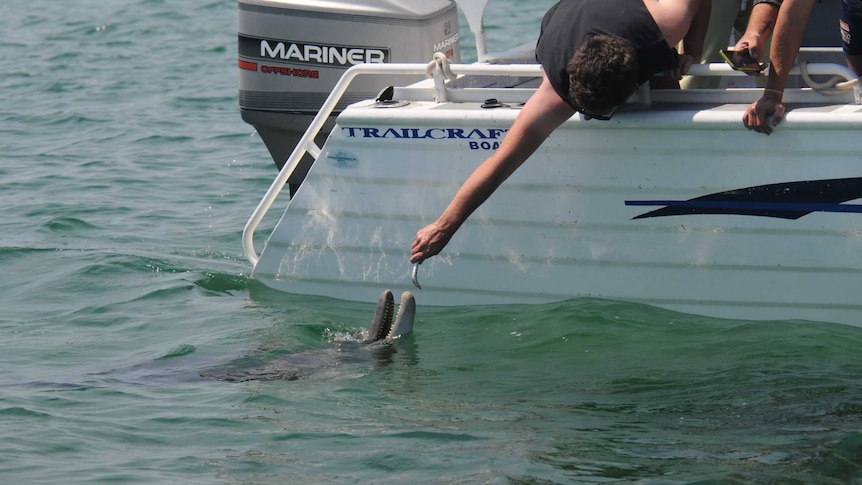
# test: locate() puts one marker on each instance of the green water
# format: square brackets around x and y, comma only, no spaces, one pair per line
[126,176]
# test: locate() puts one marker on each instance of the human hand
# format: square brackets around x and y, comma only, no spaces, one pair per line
[751,43]
[757,116]
[745,57]
[430,240]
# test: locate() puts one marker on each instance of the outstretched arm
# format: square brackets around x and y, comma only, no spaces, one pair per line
[543,113]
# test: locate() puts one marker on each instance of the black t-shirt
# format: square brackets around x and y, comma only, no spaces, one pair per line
[569,23]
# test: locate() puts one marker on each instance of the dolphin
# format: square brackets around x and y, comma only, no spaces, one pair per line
[386,327]
[382,327]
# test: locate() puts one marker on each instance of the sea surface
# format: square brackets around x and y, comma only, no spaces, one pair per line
[132,338]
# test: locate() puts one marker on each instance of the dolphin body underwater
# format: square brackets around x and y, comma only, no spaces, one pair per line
[385,328]
[374,347]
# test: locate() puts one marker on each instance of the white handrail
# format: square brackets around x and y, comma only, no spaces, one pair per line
[306,143]
[825,68]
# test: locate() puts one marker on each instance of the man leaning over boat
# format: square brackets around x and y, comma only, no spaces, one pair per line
[789,19]
[594,55]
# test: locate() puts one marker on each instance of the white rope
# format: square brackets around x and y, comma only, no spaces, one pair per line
[827,88]
[441,62]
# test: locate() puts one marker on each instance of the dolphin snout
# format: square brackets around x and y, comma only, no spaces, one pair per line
[382,326]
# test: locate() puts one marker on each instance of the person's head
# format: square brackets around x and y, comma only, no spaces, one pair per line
[603,73]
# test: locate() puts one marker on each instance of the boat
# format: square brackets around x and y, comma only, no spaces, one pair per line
[672,203]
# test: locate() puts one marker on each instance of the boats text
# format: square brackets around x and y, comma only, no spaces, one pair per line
[480,139]
[310,53]
[451,41]
[286,71]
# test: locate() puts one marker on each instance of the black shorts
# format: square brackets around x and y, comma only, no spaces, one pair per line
[851,27]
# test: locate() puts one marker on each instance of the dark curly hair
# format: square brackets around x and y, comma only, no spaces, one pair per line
[603,73]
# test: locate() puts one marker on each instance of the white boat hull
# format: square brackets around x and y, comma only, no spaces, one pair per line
[565,224]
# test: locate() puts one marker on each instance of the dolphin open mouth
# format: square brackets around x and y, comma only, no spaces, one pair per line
[382,324]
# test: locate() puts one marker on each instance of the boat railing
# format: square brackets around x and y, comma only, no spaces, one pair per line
[438,89]
[306,143]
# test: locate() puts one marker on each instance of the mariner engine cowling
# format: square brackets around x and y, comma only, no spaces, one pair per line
[291,54]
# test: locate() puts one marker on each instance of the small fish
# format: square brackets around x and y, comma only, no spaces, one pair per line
[415,275]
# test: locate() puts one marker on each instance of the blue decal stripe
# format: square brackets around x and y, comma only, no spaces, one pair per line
[786,200]
[750,206]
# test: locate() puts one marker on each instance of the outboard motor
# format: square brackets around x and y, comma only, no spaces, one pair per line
[292,52]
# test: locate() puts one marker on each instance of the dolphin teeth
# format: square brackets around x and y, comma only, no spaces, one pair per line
[388,316]
[381,324]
